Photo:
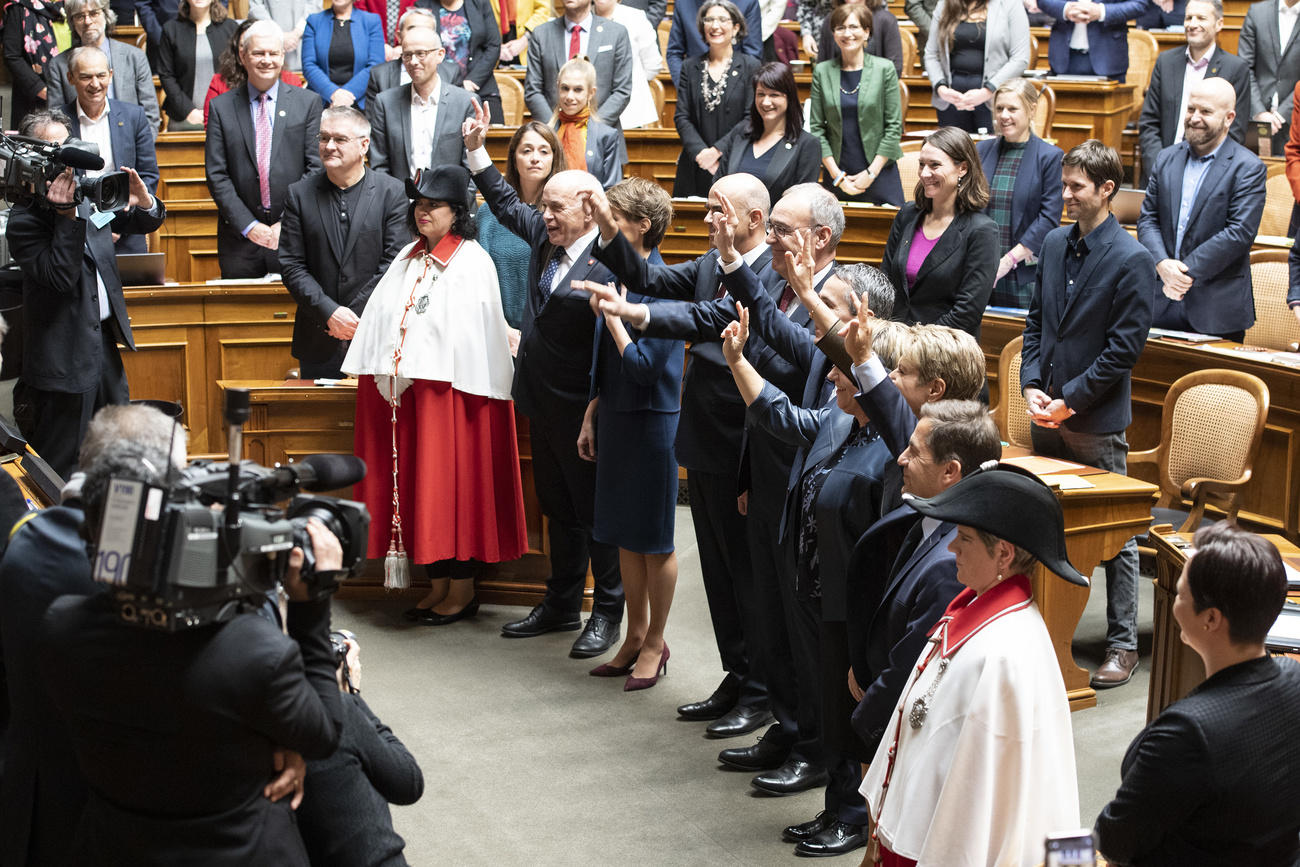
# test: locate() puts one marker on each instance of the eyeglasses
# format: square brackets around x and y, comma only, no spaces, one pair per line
[88,16]
[848,28]
[718,22]
[418,54]
[783,231]
[340,140]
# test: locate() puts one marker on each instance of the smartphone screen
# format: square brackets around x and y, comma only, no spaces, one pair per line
[1074,850]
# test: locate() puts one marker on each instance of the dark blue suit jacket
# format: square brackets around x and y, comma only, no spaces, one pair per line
[1221,228]
[133,145]
[367,50]
[649,371]
[1107,40]
[1036,198]
[1083,349]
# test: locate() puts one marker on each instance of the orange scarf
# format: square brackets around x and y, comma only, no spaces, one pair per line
[573,138]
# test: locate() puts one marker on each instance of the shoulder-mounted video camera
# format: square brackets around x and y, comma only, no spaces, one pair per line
[29,164]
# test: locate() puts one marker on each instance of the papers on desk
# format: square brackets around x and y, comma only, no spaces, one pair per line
[242,281]
[1285,634]
[1041,466]
[1021,312]
[1072,77]
[1067,482]
[1292,573]
[1258,353]
[1184,336]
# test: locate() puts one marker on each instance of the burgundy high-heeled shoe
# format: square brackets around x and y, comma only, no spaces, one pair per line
[608,669]
[634,683]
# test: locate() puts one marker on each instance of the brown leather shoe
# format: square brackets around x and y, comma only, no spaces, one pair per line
[1116,669]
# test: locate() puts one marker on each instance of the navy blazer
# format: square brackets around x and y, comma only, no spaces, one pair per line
[133,145]
[1221,228]
[1107,40]
[650,369]
[602,152]
[367,50]
[1036,198]
[955,280]
[1083,348]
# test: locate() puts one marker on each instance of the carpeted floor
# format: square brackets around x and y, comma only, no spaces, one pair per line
[527,760]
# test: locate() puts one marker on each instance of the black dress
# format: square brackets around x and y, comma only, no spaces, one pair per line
[699,127]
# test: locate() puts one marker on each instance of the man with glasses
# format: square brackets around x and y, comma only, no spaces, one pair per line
[417,125]
[249,165]
[132,80]
[392,73]
[342,227]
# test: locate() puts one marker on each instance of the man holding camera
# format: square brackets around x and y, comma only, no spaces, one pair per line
[74,312]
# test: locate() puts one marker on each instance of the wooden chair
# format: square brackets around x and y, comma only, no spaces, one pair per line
[657,94]
[1275,324]
[1033,52]
[1142,53]
[665,27]
[908,166]
[904,96]
[1278,202]
[1212,423]
[1044,110]
[142,41]
[1011,414]
[1127,205]
[512,98]
[910,55]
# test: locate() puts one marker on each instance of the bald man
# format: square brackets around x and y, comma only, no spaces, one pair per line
[552,387]
[1200,217]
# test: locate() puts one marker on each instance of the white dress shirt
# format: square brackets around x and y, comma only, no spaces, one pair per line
[1193,74]
[1079,36]
[100,133]
[1286,18]
[424,117]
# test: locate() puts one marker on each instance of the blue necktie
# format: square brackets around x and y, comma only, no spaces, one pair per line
[548,275]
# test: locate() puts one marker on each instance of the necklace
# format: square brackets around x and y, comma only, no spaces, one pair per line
[852,90]
[711,90]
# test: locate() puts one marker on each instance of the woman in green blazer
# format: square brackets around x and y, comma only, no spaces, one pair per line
[857,114]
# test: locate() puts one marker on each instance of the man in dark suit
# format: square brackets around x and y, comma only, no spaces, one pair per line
[552,387]
[120,130]
[260,139]
[392,73]
[1090,37]
[1161,122]
[1268,45]
[132,77]
[1086,327]
[417,125]
[342,228]
[1199,219]
[74,312]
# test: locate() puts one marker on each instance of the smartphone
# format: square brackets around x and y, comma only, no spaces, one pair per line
[1070,850]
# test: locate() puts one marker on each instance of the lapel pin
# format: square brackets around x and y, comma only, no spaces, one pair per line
[600,28]
[591,262]
[281,112]
[788,145]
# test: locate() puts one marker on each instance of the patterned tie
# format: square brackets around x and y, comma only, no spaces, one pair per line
[548,274]
[787,295]
[394,15]
[575,41]
[264,150]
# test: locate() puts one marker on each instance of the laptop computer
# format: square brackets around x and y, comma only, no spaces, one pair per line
[141,269]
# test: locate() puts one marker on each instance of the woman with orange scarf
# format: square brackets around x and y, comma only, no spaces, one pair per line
[588,144]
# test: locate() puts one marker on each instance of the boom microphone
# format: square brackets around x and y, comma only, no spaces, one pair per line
[329,472]
[79,159]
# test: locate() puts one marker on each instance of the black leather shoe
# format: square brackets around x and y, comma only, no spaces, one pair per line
[540,621]
[762,756]
[599,635]
[433,618]
[793,776]
[722,700]
[838,838]
[741,720]
[807,830]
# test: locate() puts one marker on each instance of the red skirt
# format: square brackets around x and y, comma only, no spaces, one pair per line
[460,492]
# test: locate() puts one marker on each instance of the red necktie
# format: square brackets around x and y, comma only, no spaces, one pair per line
[264,151]
[787,295]
[575,41]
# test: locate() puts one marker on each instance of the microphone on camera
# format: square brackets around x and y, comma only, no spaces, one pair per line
[79,159]
[329,472]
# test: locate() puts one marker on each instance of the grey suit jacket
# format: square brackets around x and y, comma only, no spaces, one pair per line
[608,49]
[1006,47]
[390,129]
[602,153]
[132,79]
[1274,68]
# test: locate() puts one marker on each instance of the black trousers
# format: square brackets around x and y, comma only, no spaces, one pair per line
[329,368]
[843,751]
[566,491]
[728,579]
[55,422]
[241,258]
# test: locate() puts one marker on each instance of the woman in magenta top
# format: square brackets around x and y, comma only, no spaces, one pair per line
[942,253]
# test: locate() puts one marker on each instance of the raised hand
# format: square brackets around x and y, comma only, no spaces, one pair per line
[474,129]
[800,268]
[735,335]
[596,204]
[858,335]
[724,230]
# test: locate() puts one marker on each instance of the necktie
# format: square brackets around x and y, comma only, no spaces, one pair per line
[787,295]
[575,41]
[548,274]
[264,151]
[394,10]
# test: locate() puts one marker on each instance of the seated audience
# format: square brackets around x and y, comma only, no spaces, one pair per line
[186,62]
[976,765]
[941,253]
[857,115]
[132,78]
[588,144]
[685,38]
[230,70]
[1199,219]
[291,15]
[646,61]
[882,36]
[1090,37]
[1024,174]
[713,96]
[472,40]
[392,73]
[34,32]
[772,144]
[1211,780]
[976,47]
[341,44]
[1266,45]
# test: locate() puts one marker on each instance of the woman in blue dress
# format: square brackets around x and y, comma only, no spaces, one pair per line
[628,431]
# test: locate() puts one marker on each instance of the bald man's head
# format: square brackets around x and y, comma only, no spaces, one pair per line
[749,196]
[566,216]
[1211,107]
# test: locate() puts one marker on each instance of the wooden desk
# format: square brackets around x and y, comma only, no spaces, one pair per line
[1175,667]
[865,231]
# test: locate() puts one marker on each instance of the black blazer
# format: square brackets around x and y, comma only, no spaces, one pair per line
[176,61]
[321,276]
[956,279]
[390,129]
[385,75]
[1083,348]
[41,792]
[62,346]
[1211,781]
[231,152]
[795,162]
[700,129]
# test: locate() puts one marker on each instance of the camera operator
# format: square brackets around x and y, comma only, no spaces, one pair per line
[74,313]
[176,732]
[344,818]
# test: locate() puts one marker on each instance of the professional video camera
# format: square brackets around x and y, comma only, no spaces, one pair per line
[29,164]
[195,552]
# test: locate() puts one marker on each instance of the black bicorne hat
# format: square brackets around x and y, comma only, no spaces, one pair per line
[448,184]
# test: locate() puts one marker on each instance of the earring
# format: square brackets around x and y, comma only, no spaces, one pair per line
[999,576]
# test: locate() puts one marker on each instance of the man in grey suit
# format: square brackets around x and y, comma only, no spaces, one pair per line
[1269,47]
[580,33]
[417,125]
[132,78]
[392,73]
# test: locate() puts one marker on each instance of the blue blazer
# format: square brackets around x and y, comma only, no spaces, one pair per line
[1083,348]
[133,145]
[1107,40]
[1036,198]
[367,51]
[1221,227]
[649,372]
